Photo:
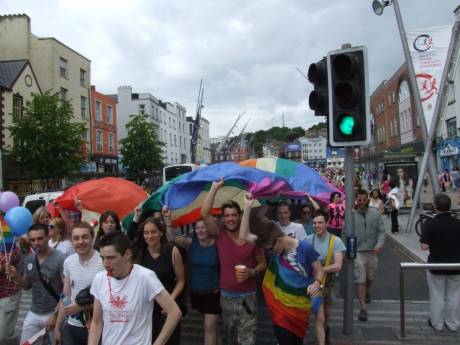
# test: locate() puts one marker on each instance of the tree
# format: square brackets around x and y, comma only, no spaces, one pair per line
[141,150]
[47,144]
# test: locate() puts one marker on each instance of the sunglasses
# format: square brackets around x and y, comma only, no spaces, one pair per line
[306,212]
[50,226]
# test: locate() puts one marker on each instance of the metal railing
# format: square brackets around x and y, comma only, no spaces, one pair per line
[414,265]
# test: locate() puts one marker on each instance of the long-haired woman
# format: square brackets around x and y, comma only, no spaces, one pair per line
[58,236]
[152,250]
[108,221]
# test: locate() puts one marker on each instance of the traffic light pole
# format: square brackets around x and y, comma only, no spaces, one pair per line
[418,103]
[349,232]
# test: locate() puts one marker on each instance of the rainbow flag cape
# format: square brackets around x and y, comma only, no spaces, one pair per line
[285,292]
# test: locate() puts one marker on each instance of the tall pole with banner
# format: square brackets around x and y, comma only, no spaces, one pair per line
[436,117]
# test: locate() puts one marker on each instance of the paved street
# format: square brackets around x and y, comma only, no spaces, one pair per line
[384,313]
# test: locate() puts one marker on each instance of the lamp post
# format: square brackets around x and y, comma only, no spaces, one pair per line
[378,6]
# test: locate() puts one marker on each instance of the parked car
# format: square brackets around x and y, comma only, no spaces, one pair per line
[34,201]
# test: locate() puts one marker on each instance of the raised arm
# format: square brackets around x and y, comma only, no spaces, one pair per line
[313,203]
[182,241]
[244,226]
[207,206]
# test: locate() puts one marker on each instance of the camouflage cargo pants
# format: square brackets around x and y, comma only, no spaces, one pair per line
[240,319]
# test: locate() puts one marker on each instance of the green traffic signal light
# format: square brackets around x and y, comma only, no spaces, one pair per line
[347,125]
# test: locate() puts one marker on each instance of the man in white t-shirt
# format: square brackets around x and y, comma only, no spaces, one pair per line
[124,295]
[79,272]
[283,214]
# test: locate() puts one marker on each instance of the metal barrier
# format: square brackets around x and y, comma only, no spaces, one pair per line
[413,265]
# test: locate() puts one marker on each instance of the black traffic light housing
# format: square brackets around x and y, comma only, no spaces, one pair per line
[349,116]
[318,99]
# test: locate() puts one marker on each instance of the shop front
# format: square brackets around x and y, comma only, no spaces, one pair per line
[449,150]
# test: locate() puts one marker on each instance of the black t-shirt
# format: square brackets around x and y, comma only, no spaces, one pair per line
[442,234]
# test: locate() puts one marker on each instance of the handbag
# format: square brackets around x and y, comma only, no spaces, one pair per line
[84,297]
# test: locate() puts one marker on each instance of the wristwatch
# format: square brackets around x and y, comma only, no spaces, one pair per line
[320,285]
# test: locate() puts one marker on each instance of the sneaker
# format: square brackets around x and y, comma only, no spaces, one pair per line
[450,329]
[368,297]
[434,328]
[362,315]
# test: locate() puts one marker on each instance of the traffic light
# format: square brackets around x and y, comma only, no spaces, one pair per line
[318,99]
[349,117]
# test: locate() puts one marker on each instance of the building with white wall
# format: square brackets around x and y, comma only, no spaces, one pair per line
[313,148]
[169,117]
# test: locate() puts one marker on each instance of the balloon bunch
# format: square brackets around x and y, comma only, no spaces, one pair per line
[19,219]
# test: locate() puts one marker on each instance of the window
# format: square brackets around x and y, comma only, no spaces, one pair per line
[174,123]
[109,115]
[63,68]
[98,111]
[84,134]
[175,140]
[83,106]
[451,126]
[82,78]
[110,142]
[141,109]
[64,93]
[169,122]
[98,140]
[17,106]
[170,139]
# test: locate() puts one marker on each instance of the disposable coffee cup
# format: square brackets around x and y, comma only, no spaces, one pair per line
[239,269]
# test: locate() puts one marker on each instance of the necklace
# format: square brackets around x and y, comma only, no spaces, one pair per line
[109,278]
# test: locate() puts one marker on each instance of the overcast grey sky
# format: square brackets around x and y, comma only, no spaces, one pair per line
[246,51]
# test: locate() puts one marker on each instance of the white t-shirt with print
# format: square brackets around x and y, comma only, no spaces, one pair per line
[127,317]
[294,230]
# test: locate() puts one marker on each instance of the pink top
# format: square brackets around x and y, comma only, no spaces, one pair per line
[230,255]
[336,215]
[385,187]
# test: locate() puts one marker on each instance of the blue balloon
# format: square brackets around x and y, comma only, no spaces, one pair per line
[19,220]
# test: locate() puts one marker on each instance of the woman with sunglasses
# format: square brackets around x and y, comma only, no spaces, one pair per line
[58,237]
[306,213]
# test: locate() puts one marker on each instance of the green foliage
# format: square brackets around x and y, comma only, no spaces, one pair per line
[141,149]
[318,126]
[280,134]
[46,141]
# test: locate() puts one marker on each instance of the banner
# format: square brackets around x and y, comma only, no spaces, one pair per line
[428,48]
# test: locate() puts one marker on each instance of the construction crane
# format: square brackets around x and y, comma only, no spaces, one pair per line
[224,140]
[196,123]
[237,140]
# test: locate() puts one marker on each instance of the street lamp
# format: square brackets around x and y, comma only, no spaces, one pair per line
[379,5]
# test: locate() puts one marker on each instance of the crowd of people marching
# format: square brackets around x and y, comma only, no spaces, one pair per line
[102,284]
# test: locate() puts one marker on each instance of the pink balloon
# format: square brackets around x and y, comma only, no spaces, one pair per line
[8,200]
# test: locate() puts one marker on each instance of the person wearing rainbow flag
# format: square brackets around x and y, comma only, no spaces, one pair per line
[293,276]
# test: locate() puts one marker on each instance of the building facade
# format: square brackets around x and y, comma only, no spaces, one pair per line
[169,117]
[396,132]
[104,132]
[17,84]
[314,150]
[57,67]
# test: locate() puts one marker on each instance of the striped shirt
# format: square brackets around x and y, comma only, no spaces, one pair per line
[81,276]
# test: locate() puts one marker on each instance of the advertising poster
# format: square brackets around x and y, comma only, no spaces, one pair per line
[428,48]
[407,175]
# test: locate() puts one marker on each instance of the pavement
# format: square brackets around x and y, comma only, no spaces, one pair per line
[383,325]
